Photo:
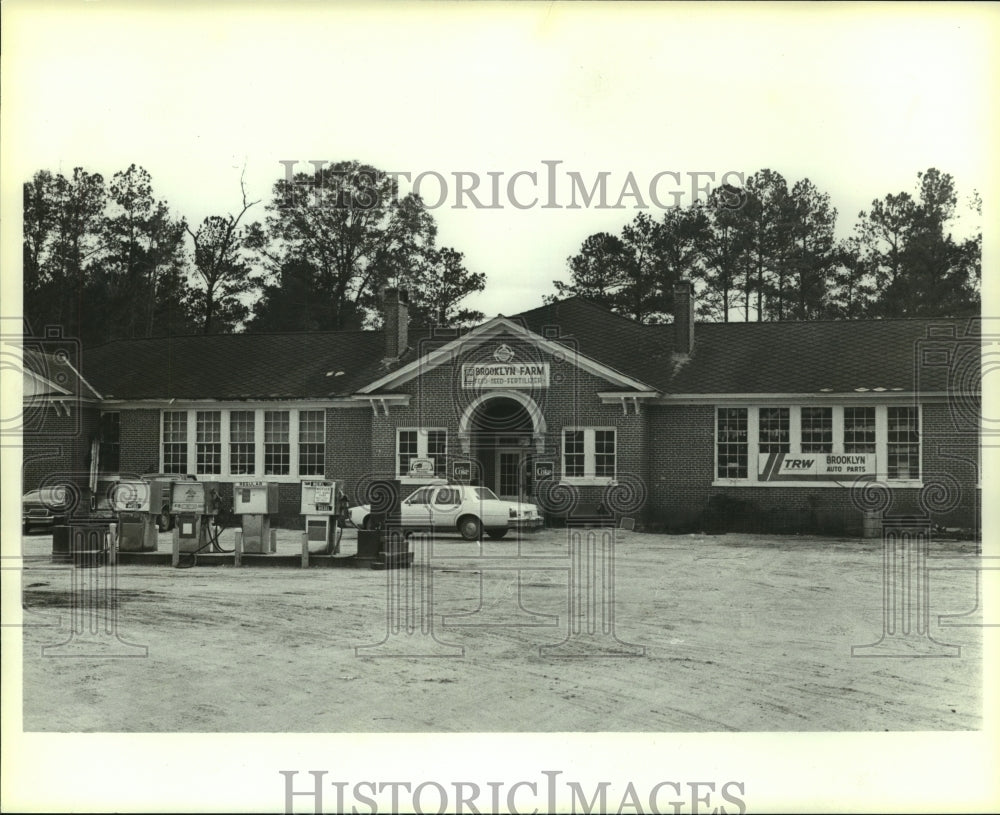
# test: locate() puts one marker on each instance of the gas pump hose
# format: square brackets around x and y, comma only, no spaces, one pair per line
[222,518]
[213,541]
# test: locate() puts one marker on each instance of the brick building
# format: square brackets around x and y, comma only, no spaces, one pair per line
[61,420]
[785,426]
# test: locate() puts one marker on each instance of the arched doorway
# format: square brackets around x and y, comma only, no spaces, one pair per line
[501,435]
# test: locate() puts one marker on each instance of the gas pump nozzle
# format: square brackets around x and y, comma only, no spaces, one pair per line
[194,503]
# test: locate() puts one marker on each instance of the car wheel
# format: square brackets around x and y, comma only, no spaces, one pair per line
[470,528]
[496,534]
[368,523]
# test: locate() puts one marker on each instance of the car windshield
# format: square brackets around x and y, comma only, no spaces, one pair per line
[486,494]
[421,496]
[47,495]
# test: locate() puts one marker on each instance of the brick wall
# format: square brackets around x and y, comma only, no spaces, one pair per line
[682,460]
[665,453]
[140,441]
[570,400]
[950,458]
[289,505]
[348,447]
[58,444]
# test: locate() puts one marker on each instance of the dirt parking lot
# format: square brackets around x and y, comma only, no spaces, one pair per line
[710,633]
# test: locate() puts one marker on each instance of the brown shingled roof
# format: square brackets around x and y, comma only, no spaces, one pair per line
[728,358]
[299,365]
[824,356]
[827,356]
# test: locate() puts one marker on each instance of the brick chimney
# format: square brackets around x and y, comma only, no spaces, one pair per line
[683,317]
[396,311]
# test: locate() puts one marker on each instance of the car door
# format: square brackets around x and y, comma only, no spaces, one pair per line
[491,510]
[445,506]
[415,511]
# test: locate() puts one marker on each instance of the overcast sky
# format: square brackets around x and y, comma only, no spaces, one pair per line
[857,99]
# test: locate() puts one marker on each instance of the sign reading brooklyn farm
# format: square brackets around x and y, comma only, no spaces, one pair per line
[505,375]
[816,466]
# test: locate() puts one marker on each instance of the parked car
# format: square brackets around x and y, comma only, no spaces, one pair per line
[164,520]
[468,510]
[44,507]
[53,504]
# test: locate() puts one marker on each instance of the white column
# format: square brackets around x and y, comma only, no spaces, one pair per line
[795,430]
[838,428]
[258,443]
[882,442]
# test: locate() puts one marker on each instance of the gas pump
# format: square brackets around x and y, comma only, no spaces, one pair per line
[255,502]
[136,503]
[323,504]
[193,503]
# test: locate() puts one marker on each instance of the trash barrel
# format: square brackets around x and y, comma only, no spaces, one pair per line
[871,524]
[369,543]
[60,543]
[89,544]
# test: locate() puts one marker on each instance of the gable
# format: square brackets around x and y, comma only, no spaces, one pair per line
[52,376]
[488,355]
[38,387]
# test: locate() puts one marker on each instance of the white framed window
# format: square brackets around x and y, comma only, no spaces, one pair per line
[732,445]
[604,453]
[437,449]
[903,445]
[773,429]
[242,448]
[859,430]
[279,444]
[816,427]
[574,457]
[208,442]
[589,454]
[312,442]
[175,441]
[421,442]
[812,445]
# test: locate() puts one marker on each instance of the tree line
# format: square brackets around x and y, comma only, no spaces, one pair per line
[108,260]
[768,251]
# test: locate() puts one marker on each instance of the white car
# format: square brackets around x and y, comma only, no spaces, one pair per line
[469,510]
